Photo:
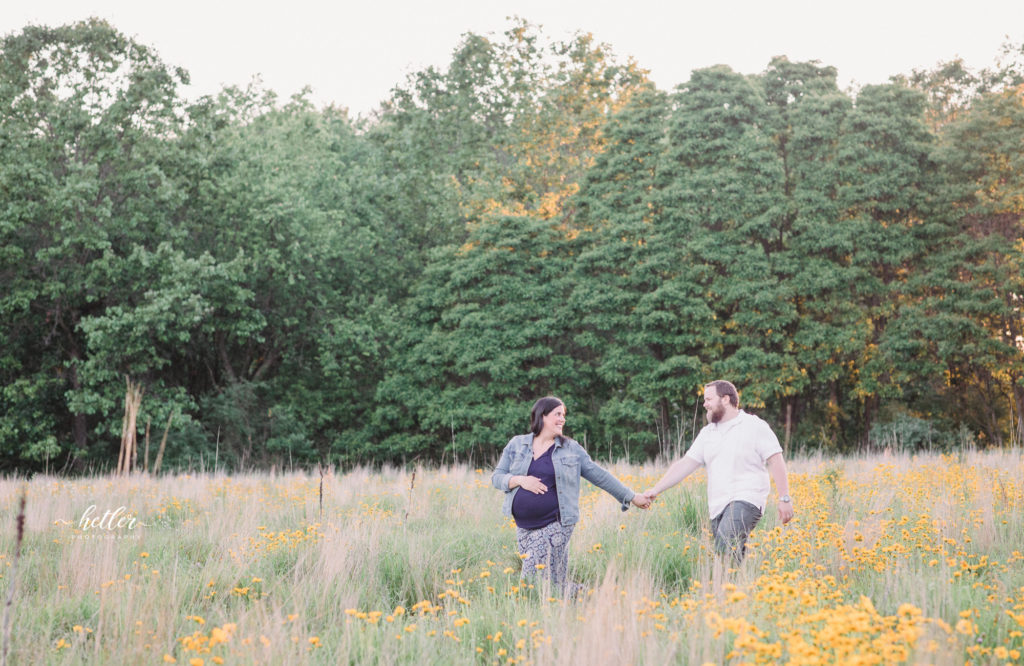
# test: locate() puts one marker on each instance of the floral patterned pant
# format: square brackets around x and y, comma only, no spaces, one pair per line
[545,553]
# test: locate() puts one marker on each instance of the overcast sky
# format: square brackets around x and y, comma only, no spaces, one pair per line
[352,52]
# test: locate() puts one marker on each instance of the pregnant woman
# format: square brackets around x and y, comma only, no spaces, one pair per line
[540,473]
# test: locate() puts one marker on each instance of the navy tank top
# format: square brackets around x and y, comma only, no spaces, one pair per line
[532,511]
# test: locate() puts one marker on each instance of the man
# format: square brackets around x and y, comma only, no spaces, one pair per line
[739,451]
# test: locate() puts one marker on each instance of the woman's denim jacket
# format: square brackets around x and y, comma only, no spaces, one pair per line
[570,461]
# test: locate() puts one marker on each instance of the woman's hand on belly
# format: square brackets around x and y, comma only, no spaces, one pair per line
[531,483]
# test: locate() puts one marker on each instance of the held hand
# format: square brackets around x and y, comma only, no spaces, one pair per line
[533,484]
[650,494]
[785,512]
[642,501]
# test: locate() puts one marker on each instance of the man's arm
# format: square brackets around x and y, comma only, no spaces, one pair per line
[777,468]
[679,470]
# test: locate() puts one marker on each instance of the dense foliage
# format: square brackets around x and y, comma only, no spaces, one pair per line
[293,286]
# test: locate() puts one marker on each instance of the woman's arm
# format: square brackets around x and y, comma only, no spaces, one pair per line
[502,476]
[503,479]
[606,481]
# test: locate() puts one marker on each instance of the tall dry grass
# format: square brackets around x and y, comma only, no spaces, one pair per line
[891,559]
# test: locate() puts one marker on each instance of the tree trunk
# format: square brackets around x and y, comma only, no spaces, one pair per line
[870,409]
[1018,415]
[665,427]
[145,460]
[833,409]
[789,422]
[163,444]
[128,454]
[79,426]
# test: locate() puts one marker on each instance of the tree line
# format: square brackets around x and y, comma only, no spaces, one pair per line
[289,285]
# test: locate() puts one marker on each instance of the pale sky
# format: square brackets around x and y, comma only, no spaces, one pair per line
[353,53]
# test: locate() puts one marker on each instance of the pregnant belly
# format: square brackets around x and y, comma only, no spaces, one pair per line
[534,511]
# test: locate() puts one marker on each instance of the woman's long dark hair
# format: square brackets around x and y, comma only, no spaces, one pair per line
[542,408]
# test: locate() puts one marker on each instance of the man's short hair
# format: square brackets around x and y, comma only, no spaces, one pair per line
[724,388]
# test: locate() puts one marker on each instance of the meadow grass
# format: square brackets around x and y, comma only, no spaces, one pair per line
[891,559]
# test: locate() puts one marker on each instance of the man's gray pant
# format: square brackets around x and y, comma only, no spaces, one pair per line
[732,527]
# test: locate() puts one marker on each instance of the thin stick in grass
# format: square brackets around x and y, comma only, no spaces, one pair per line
[321,467]
[20,523]
[412,484]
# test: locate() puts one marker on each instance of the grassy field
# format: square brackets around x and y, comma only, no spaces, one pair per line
[889,560]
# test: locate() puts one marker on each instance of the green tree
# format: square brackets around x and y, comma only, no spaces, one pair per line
[887,180]
[967,330]
[86,111]
[440,134]
[487,333]
[637,299]
[541,110]
[805,112]
[288,195]
[720,215]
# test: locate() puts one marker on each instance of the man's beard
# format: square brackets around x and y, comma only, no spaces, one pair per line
[715,415]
